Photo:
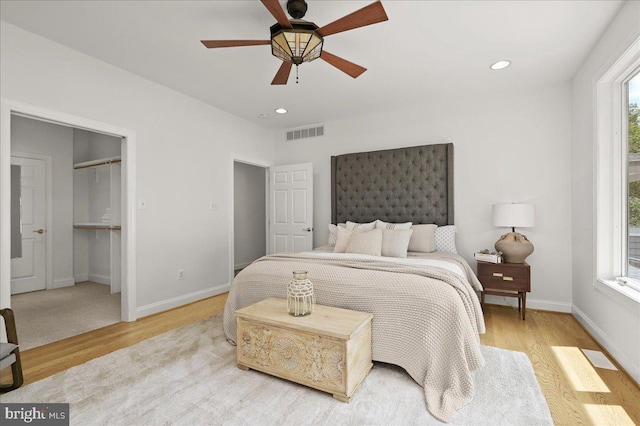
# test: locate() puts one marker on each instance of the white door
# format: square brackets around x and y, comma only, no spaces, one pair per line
[28,273]
[291,210]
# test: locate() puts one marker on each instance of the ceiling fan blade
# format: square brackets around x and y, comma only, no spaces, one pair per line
[276,10]
[212,44]
[283,73]
[368,15]
[343,65]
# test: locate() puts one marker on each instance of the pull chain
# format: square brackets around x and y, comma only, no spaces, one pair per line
[296,74]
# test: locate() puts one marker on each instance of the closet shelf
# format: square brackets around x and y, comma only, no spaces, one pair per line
[97,226]
[95,163]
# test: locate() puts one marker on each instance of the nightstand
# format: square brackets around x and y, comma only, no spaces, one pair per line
[506,279]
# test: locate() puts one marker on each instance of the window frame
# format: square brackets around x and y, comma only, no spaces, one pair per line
[611,177]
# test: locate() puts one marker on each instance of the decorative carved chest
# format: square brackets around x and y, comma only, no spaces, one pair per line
[329,350]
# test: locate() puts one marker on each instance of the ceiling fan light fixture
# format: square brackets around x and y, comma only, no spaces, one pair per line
[296,41]
[298,44]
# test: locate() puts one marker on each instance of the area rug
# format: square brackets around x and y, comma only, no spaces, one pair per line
[77,309]
[188,376]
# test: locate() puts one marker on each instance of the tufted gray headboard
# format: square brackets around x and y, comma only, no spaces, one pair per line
[413,184]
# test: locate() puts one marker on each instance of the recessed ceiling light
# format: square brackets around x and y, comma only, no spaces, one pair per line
[281,110]
[500,65]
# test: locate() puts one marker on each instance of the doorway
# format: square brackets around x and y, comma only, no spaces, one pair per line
[249,214]
[63,264]
[9,108]
[285,207]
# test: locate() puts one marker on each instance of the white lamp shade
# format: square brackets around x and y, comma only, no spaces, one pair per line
[514,215]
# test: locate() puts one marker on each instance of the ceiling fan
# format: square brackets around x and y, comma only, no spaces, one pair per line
[296,41]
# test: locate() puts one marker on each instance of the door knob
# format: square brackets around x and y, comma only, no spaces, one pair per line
[308,229]
[39,231]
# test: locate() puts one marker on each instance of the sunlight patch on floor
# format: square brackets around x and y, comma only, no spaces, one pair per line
[608,415]
[578,370]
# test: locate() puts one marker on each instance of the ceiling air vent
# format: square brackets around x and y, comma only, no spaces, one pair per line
[304,133]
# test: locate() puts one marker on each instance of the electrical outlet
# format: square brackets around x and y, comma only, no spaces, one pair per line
[213,207]
[180,274]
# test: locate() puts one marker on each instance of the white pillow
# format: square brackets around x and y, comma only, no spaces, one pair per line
[351,226]
[423,238]
[446,238]
[365,242]
[333,233]
[387,225]
[342,239]
[395,242]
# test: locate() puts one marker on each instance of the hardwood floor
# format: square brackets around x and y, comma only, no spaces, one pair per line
[576,392]
[50,359]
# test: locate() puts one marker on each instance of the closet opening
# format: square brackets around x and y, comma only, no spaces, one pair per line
[83,236]
[65,238]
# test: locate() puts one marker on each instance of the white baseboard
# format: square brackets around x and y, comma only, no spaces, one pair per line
[65,282]
[100,279]
[627,362]
[80,278]
[544,305]
[154,308]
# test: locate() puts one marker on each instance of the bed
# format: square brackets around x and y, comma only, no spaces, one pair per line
[426,313]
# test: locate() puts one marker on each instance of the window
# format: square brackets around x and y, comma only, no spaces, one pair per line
[632,133]
[617,204]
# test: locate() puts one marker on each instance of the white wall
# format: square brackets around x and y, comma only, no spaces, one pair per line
[509,146]
[37,137]
[612,318]
[249,214]
[183,152]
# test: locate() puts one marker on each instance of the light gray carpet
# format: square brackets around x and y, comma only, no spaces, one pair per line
[50,315]
[188,376]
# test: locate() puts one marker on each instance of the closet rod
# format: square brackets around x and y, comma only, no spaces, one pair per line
[99,227]
[97,164]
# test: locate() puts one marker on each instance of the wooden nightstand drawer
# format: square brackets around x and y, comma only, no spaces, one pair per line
[505,282]
[506,279]
[505,276]
[514,270]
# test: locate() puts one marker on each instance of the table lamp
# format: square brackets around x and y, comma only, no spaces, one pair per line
[514,246]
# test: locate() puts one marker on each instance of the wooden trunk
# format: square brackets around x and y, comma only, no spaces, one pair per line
[329,350]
